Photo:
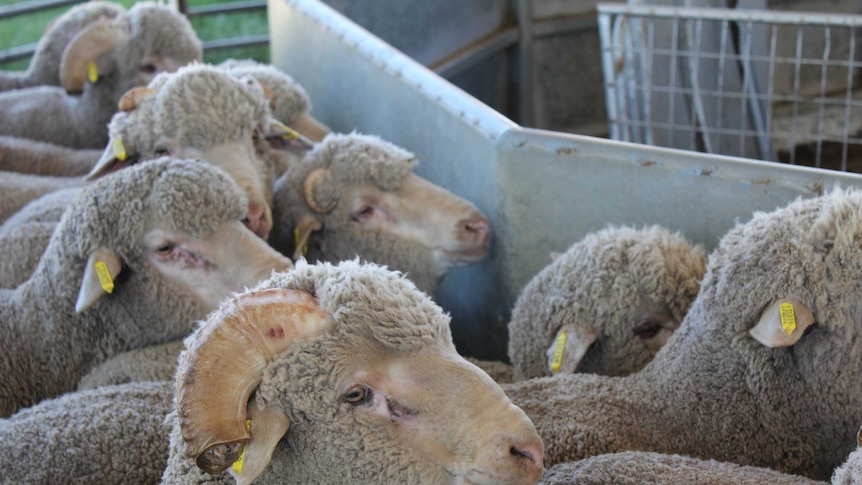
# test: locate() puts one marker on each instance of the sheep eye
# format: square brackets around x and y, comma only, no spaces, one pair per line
[646,329]
[149,68]
[161,151]
[164,249]
[362,213]
[357,395]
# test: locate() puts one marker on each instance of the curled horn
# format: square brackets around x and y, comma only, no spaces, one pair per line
[94,40]
[308,187]
[224,363]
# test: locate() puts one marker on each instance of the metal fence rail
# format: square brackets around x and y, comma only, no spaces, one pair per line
[34,6]
[775,86]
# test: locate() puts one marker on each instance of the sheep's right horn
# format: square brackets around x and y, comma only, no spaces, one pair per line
[91,42]
[308,187]
[224,363]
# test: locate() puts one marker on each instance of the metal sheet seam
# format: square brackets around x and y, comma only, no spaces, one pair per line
[458,102]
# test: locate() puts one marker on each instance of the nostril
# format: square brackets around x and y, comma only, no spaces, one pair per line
[255,217]
[476,229]
[522,454]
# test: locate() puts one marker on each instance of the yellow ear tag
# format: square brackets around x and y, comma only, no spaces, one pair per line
[296,241]
[788,317]
[289,133]
[237,465]
[93,72]
[104,277]
[559,348]
[119,148]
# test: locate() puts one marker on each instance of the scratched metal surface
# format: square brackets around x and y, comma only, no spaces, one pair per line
[542,190]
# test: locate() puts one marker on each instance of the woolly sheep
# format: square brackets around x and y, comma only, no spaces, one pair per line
[120,54]
[638,467]
[170,230]
[39,158]
[44,67]
[22,249]
[107,435]
[850,473]
[290,104]
[356,194]
[731,384]
[199,111]
[18,189]
[617,294]
[355,379]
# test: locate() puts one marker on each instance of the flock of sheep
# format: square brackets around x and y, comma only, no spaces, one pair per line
[202,284]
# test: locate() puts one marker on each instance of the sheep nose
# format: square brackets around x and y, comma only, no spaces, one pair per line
[474,230]
[256,219]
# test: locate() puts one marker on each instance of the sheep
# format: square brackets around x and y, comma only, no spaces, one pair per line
[163,240]
[637,467]
[109,57]
[732,383]
[355,194]
[850,473]
[107,435]
[359,383]
[39,158]
[17,189]
[290,104]
[606,305]
[44,67]
[21,249]
[198,111]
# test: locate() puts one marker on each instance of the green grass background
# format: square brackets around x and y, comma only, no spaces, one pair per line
[29,28]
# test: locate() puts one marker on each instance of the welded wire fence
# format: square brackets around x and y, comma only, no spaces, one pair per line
[770,85]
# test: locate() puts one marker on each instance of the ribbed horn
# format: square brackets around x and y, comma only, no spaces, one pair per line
[308,187]
[94,40]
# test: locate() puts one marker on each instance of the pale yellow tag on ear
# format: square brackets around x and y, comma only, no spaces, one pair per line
[788,318]
[93,72]
[289,133]
[237,465]
[559,348]
[119,148]
[296,241]
[104,277]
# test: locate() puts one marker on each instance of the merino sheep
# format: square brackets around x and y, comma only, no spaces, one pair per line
[200,112]
[22,249]
[610,301]
[638,467]
[290,104]
[356,195]
[850,473]
[44,67]
[107,435]
[354,378]
[134,261]
[733,383]
[18,189]
[39,158]
[109,57]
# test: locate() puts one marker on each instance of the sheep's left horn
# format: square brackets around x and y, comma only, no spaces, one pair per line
[308,187]
[94,40]
[224,361]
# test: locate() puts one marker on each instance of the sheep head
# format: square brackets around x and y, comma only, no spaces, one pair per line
[362,366]
[134,48]
[205,113]
[358,194]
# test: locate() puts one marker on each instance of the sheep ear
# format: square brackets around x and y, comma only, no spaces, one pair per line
[783,323]
[283,137]
[101,270]
[266,426]
[307,225]
[113,158]
[310,127]
[569,347]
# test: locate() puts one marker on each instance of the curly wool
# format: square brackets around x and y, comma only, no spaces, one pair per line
[603,283]
[120,430]
[45,335]
[197,106]
[636,468]
[291,100]
[714,391]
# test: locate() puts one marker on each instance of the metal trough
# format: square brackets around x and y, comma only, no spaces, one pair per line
[542,190]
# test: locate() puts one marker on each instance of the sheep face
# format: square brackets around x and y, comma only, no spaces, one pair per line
[177,248]
[356,195]
[367,383]
[650,277]
[204,113]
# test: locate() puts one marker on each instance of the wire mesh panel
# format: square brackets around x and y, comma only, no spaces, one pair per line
[770,85]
